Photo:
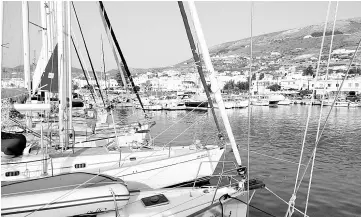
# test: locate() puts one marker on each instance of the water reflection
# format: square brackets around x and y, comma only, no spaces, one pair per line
[278,132]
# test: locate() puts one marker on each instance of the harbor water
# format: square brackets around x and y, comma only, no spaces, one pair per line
[276,137]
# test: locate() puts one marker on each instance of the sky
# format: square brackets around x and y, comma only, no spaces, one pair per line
[152,34]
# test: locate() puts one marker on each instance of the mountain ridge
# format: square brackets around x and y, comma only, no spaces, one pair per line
[284,41]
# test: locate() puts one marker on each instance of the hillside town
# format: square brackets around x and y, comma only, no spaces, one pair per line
[274,69]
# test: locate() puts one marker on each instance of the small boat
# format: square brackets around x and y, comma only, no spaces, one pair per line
[195,101]
[172,103]
[285,102]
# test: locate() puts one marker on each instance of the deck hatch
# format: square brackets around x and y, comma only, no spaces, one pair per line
[155,200]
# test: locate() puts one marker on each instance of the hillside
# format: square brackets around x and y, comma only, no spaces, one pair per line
[284,41]
[291,44]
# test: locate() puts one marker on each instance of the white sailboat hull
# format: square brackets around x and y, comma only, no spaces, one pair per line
[153,169]
[102,195]
[57,196]
[185,202]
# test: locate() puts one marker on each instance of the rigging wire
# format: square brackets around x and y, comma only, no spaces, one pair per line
[82,67]
[130,77]
[86,48]
[197,60]
[291,203]
[319,120]
[333,103]
[249,106]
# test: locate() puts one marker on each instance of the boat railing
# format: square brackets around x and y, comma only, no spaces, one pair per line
[222,174]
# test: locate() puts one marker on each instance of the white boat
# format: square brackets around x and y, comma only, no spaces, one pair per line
[99,195]
[56,197]
[229,103]
[264,100]
[355,104]
[172,103]
[153,167]
[285,102]
[241,102]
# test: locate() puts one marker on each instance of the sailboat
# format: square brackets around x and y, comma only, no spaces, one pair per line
[176,202]
[154,167]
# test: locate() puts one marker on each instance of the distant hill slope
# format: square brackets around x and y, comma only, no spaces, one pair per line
[348,34]
[284,41]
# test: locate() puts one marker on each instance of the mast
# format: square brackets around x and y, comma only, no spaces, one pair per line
[1,33]
[26,46]
[198,62]
[44,37]
[103,61]
[70,84]
[214,84]
[62,76]
[107,25]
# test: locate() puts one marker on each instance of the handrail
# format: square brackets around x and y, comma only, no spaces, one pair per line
[200,164]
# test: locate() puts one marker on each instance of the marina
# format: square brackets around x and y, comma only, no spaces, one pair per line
[244,128]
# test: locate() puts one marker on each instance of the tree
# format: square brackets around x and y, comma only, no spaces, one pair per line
[242,86]
[355,71]
[229,85]
[261,76]
[274,87]
[308,71]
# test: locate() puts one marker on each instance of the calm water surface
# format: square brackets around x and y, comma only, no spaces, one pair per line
[278,133]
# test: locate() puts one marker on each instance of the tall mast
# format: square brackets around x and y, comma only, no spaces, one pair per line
[103,61]
[27,81]
[214,84]
[44,32]
[1,33]
[198,62]
[62,75]
[25,8]
[70,85]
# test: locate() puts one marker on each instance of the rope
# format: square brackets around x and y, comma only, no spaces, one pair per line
[328,115]
[248,205]
[283,200]
[291,203]
[249,107]
[319,120]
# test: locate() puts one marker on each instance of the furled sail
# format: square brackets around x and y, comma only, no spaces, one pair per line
[40,66]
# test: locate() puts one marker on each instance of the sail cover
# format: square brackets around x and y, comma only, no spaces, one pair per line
[49,79]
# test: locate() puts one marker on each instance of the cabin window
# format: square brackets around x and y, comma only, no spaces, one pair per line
[337,85]
[133,158]
[356,84]
[12,173]
[78,166]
